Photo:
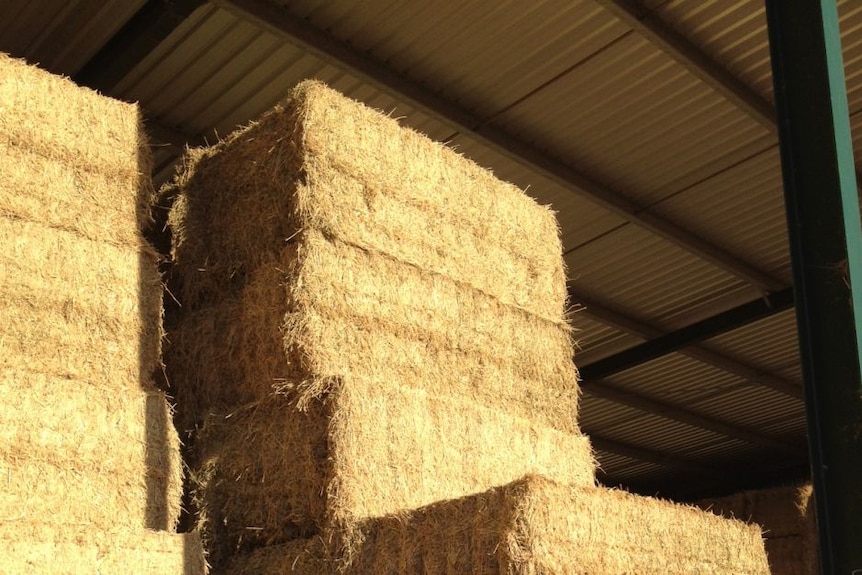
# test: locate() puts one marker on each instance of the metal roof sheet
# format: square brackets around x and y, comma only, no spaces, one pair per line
[61,38]
[741,209]
[634,119]
[483,55]
[744,406]
[770,345]
[647,276]
[677,379]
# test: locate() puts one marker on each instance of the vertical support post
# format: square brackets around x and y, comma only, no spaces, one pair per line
[826,247]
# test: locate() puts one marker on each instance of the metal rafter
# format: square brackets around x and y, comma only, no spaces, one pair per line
[134,41]
[623,396]
[686,53]
[281,23]
[607,316]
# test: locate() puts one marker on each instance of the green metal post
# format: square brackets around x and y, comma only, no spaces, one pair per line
[826,247]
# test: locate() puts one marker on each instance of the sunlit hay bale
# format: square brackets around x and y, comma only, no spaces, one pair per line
[77,454]
[527,527]
[78,308]
[88,441]
[327,163]
[332,310]
[786,515]
[44,550]
[81,295]
[71,158]
[270,473]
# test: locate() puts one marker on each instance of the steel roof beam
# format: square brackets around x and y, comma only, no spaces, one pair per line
[710,327]
[681,49]
[626,324]
[623,396]
[134,41]
[281,23]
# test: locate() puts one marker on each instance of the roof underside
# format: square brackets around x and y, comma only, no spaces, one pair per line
[647,126]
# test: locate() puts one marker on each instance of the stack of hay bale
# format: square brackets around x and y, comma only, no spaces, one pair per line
[375,351]
[88,453]
[787,517]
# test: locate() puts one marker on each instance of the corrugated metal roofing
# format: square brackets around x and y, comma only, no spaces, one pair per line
[646,275]
[634,119]
[770,345]
[678,380]
[484,55]
[577,85]
[62,36]
[742,209]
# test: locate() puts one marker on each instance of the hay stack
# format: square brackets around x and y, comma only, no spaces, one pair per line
[532,526]
[351,344]
[787,517]
[87,446]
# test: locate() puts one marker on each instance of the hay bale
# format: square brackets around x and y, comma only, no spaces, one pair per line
[79,453]
[270,473]
[78,308]
[787,516]
[527,527]
[327,163]
[71,158]
[333,311]
[44,550]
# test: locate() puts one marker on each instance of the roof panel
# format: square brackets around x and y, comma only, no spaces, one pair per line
[635,120]
[223,72]
[740,209]
[596,340]
[677,379]
[648,277]
[770,345]
[744,406]
[483,55]
[61,37]
[595,413]
[733,33]
[659,434]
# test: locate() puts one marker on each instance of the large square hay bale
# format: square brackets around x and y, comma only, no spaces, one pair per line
[327,163]
[326,311]
[787,516]
[270,473]
[372,227]
[76,276]
[528,527]
[82,454]
[390,289]
[71,158]
[78,308]
[46,551]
